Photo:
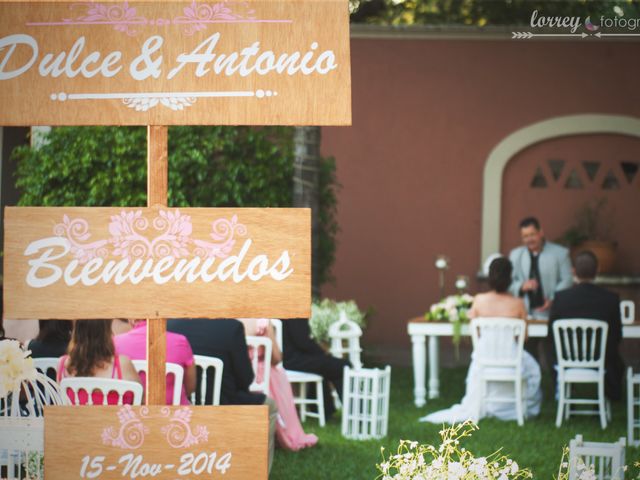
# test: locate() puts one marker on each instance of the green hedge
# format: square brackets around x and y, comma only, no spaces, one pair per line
[208,166]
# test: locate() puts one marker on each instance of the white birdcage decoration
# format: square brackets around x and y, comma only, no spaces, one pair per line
[606,461]
[365,406]
[345,340]
[23,394]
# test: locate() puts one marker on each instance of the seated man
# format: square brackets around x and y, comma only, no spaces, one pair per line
[300,352]
[224,338]
[586,300]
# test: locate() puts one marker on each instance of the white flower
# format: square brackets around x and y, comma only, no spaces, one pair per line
[15,366]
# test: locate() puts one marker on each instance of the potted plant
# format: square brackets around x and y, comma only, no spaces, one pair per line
[590,231]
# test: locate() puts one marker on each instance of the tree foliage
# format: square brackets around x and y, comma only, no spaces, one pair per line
[481,12]
[208,166]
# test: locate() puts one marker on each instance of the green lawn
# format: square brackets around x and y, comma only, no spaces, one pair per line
[537,445]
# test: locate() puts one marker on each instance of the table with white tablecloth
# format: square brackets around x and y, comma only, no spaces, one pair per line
[419,330]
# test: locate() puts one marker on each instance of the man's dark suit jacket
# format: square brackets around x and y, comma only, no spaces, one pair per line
[301,352]
[224,339]
[586,300]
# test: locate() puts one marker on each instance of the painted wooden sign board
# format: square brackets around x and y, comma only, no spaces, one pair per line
[72,263]
[261,62]
[187,442]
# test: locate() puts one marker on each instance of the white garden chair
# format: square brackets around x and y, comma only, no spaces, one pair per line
[74,385]
[260,348]
[633,408]
[580,346]
[491,338]
[206,366]
[605,460]
[627,312]
[302,379]
[345,340]
[174,369]
[47,365]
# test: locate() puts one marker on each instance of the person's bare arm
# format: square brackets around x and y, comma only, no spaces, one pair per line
[524,316]
[190,379]
[128,370]
[276,354]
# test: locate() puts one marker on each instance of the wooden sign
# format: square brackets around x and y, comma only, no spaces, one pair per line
[260,62]
[72,263]
[193,443]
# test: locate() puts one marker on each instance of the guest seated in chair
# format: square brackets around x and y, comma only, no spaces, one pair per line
[224,338]
[289,431]
[586,300]
[52,340]
[134,344]
[495,303]
[92,353]
[300,352]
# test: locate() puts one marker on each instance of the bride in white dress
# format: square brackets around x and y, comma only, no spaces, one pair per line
[496,303]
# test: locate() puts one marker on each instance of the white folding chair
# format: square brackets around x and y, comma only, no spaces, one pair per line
[302,379]
[174,369]
[260,348]
[72,386]
[580,346]
[627,312]
[47,365]
[491,338]
[633,408]
[203,366]
[605,460]
[345,340]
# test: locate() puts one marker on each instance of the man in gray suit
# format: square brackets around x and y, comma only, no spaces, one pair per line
[540,269]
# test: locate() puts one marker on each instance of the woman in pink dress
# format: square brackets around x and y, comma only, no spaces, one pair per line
[289,432]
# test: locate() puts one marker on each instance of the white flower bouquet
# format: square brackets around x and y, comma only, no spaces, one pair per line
[452,309]
[326,312]
[449,461]
[16,366]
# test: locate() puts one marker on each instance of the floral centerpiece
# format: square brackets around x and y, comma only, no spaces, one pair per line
[449,461]
[452,309]
[326,312]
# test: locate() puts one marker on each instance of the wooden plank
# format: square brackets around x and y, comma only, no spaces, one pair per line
[128,262]
[157,194]
[165,443]
[260,62]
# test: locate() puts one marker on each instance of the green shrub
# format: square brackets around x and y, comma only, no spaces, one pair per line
[208,166]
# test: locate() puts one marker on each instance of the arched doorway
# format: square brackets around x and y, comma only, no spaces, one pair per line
[567,126]
[556,179]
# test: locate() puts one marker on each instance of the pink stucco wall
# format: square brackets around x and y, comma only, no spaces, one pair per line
[426,114]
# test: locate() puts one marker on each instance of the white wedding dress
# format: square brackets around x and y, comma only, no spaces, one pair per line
[468,408]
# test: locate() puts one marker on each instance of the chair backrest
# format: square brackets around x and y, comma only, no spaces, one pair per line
[260,349]
[345,339]
[605,460]
[206,366]
[580,342]
[47,365]
[73,386]
[498,341]
[174,369]
[627,311]
[277,327]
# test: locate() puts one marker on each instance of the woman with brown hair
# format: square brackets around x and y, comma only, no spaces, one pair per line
[92,354]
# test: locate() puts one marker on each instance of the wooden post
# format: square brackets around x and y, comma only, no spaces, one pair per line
[157,191]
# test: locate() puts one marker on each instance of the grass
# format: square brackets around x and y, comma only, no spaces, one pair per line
[537,445]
